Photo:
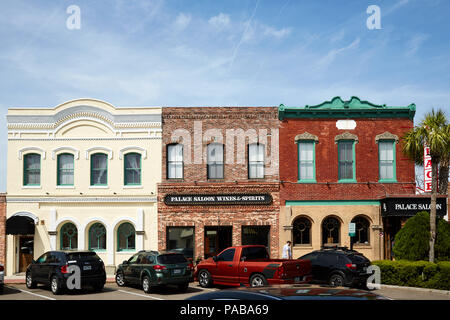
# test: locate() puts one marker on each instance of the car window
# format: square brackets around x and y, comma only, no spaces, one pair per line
[343,260]
[253,253]
[42,259]
[134,258]
[328,259]
[171,258]
[150,259]
[146,259]
[310,256]
[227,255]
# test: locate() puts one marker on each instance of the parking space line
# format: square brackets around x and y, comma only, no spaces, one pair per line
[140,295]
[32,293]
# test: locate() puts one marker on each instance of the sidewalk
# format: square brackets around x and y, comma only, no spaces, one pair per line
[20,278]
[447,292]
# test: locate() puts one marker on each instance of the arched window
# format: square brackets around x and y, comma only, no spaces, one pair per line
[302,231]
[362,230]
[256,161]
[97,237]
[175,161]
[69,237]
[215,161]
[65,169]
[126,237]
[99,169]
[32,169]
[331,231]
[132,165]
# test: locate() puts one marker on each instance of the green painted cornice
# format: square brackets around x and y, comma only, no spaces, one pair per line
[354,108]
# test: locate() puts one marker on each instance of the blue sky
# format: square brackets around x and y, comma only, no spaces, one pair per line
[220,53]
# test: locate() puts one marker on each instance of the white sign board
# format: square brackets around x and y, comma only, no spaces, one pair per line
[352,229]
[427,169]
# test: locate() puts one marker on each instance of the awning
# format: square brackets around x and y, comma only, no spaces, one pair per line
[20,225]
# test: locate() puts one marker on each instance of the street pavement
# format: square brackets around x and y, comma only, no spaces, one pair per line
[16,291]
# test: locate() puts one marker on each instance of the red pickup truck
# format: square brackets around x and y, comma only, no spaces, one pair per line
[250,265]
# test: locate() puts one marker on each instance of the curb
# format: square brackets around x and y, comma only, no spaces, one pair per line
[447,292]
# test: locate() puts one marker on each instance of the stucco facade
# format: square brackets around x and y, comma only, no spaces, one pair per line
[83,192]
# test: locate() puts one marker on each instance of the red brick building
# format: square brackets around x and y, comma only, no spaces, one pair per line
[2,228]
[338,160]
[220,184]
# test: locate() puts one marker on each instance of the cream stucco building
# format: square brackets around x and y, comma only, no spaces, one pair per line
[83,176]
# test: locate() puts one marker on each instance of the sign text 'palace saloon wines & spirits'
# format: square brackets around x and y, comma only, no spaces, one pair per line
[218,199]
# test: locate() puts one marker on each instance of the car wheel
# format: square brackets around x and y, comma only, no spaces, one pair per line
[120,279]
[258,280]
[183,287]
[29,281]
[336,280]
[55,285]
[204,279]
[146,285]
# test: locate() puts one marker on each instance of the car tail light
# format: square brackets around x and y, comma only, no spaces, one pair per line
[281,271]
[64,269]
[190,267]
[2,268]
[351,266]
[159,268]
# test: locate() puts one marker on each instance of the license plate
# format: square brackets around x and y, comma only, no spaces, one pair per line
[176,271]
[365,269]
[297,279]
[87,268]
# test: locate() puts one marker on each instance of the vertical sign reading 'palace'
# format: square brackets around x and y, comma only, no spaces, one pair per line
[427,167]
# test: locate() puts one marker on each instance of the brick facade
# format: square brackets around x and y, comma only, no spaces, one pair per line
[2,229]
[366,152]
[264,122]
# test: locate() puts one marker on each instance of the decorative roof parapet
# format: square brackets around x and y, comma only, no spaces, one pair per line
[353,108]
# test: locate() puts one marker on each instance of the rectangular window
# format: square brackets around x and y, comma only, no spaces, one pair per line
[65,170]
[175,161]
[32,170]
[181,240]
[387,160]
[256,161]
[215,161]
[132,169]
[99,169]
[346,161]
[306,166]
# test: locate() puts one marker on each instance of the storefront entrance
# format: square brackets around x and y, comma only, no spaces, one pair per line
[256,235]
[217,238]
[22,226]
[26,245]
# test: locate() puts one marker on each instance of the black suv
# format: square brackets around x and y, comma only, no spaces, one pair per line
[339,266]
[52,269]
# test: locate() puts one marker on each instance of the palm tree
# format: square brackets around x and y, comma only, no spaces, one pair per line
[433,132]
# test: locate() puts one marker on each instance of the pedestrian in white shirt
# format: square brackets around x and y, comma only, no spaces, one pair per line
[287,251]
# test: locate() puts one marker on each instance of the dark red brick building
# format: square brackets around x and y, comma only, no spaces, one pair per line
[338,160]
[220,184]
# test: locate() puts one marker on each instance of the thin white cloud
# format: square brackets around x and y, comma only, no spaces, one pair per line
[332,54]
[415,43]
[280,33]
[220,21]
[182,21]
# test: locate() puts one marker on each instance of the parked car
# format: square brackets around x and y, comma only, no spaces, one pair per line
[51,268]
[338,266]
[289,292]
[2,277]
[250,265]
[152,268]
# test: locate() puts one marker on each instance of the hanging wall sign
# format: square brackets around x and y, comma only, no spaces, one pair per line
[217,199]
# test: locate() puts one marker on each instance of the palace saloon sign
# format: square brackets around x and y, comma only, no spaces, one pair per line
[410,206]
[218,199]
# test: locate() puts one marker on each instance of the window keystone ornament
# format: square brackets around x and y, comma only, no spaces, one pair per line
[346,136]
[386,136]
[306,136]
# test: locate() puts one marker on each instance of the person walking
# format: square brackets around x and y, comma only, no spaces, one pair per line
[287,251]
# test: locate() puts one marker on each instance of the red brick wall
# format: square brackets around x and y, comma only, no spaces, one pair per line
[235,176]
[326,161]
[2,229]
